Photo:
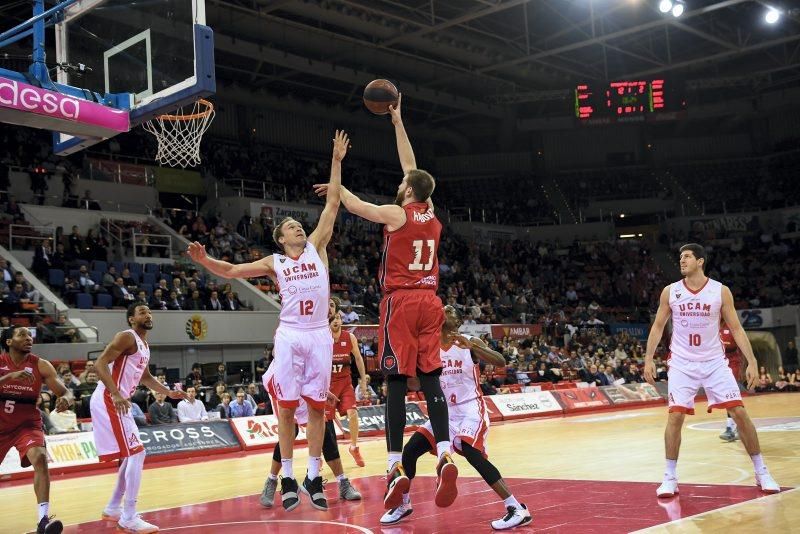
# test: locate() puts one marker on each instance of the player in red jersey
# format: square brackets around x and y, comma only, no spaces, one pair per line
[734,356]
[21,376]
[345,345]
[411,314]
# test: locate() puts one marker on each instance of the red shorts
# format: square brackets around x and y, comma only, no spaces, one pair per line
[343,389]
[410,332]
[735,363]
[23,438]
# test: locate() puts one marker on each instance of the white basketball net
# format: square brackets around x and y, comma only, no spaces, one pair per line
[179,135]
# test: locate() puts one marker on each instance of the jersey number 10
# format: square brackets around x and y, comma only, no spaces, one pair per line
[694,340]
[418,245]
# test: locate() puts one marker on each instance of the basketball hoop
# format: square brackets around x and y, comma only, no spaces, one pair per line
[179,135]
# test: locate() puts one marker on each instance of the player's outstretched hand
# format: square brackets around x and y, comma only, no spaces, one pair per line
[197,252]
[177,395]
[321,189]
[650,372]
[332,399]
[752,376]
[23,375]
[462,342]
[395,110]
[62,404]
[341,142]
[121,404]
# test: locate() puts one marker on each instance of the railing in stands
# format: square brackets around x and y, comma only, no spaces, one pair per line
[144,243]
[118,172]
[255,189]
[30,232]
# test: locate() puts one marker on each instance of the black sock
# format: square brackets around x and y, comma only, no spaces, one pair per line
[396,412]
[437,405]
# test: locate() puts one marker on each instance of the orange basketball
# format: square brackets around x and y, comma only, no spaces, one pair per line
[379,95]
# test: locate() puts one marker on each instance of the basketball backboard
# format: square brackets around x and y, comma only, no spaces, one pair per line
[143,58]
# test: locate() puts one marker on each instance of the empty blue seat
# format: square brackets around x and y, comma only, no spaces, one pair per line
[168,278]
[101,266]
[96,276]
[104,300]
[83,301]
[74,273]
[148,278]
[152,268]
[118,265]
[147,288]
[135,267]
[82,262]
[55,277]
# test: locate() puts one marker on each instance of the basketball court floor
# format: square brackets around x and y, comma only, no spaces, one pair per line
[591,473]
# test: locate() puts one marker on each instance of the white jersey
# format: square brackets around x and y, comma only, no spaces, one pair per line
[695,321]
[304,288]
[128,369]
[459,378]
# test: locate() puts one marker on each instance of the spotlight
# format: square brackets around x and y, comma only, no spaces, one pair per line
[664,6]
[677,9]
[772,15]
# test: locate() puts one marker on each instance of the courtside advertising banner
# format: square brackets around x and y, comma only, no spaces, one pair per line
[582,399]
[63,450]
[262,431]
[187,437]
[372,419]
[519,405]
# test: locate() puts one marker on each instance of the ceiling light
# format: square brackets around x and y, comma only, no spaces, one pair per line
[664,6]
[772,15]
[678,9]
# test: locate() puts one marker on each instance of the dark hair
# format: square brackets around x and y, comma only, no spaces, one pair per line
[6,336]
[698,251]
[421,183]
[278,231]
[132,310]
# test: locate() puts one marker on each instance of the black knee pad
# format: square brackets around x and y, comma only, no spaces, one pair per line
[330,450]
[276,454]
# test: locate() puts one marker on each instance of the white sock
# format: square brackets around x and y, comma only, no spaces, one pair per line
[272,477]
[442,447]
[44,509]
[287,467]
[341,477]
[394,457]
[512,501]
[671,466]
[133,479]
[758,464]
[119,489]
[406,499]
[314,463]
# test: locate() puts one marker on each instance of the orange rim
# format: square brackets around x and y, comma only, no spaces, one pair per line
[194,116]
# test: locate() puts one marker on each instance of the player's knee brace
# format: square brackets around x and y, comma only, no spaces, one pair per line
[484,467]
[330,451]
[417,446]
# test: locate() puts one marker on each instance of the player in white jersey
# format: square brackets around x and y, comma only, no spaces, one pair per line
[121,367]
[697,305]
[303,345]
[468,420]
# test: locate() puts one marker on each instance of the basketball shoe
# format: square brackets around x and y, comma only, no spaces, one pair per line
[356,454]
[289,494]
[668,488]
[268,493]
[347,491]
[767,483]
[313,488]
[446,489]
[396,514]
[111,514]
[514,517]
[48,526]
[397,483]
[137,525]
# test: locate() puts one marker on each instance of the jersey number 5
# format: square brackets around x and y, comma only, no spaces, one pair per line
[306,307]
[418,246]
[9,408]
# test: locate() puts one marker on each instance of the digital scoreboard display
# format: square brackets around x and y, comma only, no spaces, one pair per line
[626,99]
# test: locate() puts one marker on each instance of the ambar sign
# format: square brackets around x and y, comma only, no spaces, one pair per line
[516,331]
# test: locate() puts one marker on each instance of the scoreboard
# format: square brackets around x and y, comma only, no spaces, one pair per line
[628,100]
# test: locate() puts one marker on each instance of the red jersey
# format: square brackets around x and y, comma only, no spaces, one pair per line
[731,350]
[409,259]
[18,398]
[342,348]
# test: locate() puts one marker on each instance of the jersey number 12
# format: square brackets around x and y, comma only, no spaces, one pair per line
[306,307]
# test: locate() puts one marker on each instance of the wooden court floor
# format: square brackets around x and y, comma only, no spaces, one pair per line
[624,446]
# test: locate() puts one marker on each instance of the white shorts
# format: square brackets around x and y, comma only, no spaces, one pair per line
[685,377]
[469,422]
[301,367]
[115,435]
[300,414]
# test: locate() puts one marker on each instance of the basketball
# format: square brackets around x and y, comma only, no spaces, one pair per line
[379,95]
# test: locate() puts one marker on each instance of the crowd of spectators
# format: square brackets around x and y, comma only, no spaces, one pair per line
[580,187]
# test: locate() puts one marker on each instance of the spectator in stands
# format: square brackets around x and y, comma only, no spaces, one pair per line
[75,241]
[41,259]
[222,374]
[254,393]
[88,203]
[59,259]
[138,415]
[764,382]
[86,370]
[609,375]
[224,406]
[6,274]
[179,287]
[633,376]
[790,356]
[85,281]
[122,297]
[190,409]
[371,395]
[348,315]
[109,277]
[214,303]
[96,246]
[157,301]
[83,393]
[127,279]
[240,407]
[174,303]
[40,405]
[593,377]
[382,394]
[194,302]
[782,379]
[263,363]
[195,375]
[232,302]
[67,377]
[17,295]
[486,387]
[161,412]
[216,396]
[141,296]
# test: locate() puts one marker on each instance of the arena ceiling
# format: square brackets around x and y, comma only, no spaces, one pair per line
[457,58]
